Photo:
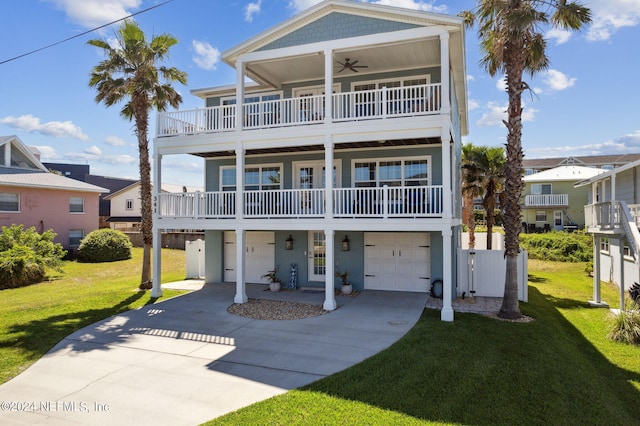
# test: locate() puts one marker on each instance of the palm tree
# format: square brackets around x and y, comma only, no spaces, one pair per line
[511,36]
[470,189]
[129,73]
[483,176]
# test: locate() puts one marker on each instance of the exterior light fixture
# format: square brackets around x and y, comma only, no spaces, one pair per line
[345,243]
[288,243]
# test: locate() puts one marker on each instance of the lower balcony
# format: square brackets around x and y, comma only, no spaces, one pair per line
[546,200]
[609,215]
[378,202]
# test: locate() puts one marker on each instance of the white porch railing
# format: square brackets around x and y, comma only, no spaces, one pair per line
[616,215]
[368,104]
[385,202]
[546,200]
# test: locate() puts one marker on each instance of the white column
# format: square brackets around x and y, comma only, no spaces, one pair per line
[240,69]
[328,184]
[241,287]
[447,171]
[7,154]
[156,289]
[329,290]
[239,181]
[596,269]
[328,86]
[444,73]
[447,278]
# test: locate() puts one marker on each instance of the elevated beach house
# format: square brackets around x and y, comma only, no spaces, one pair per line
[342,154]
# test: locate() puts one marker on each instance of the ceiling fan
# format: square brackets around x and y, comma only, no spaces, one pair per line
[350,65]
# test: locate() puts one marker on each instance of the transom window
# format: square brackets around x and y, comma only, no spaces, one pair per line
[76,205]
[391,172]
[256,178]
[9,202]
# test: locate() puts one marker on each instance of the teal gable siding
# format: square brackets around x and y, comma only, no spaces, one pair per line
[337,26]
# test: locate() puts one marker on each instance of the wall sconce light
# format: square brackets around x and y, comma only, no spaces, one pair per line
[288,243]
[345,244]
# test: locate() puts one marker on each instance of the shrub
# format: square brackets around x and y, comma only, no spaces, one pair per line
[104,245]
[558,246]
[626,327]
[25,255]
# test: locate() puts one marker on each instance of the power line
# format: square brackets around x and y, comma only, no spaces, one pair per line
[84,33]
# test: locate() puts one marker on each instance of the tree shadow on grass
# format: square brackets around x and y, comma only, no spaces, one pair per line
[482,371]
[536,279]
[37,337]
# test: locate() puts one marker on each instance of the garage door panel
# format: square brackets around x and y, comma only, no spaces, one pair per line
[259,256]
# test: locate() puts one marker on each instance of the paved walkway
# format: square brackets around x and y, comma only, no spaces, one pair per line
[187,360]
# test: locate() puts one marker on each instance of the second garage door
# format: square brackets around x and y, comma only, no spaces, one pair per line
[397,261]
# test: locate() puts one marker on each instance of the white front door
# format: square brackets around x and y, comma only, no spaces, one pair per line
[317,255]
[397,261]
[259,256]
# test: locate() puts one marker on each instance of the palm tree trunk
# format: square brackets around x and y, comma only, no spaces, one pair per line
[142,123]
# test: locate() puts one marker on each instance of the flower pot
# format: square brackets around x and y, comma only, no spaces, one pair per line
[346,288]
[275,286]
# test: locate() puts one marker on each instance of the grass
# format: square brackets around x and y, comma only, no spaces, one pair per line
[559,369]
[34,318]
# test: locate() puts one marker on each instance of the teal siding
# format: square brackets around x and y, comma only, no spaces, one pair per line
[337,26]
[214,256]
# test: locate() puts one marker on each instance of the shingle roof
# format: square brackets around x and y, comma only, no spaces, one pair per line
[585,160]
[564,173]
[47,181]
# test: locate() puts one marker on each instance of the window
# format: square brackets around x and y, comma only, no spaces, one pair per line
[129,204]
[75,235]
[391,172]
[9,202]
[256,178]
[541,216]
[604,244]
[76,205]
[540,188]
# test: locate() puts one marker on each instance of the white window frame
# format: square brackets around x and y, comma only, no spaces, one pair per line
[402,81]
[231,100]
[222,186]
[17,201]
[129,204]
[540,186]
[604,245]
[296,165]
[71,204]
[71,232]
[539,214]
[402,160]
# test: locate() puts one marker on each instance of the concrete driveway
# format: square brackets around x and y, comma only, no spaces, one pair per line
[187,360]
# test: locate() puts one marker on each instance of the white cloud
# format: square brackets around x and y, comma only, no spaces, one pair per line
[561,36]
[207,56]
[557,80]
[115,141]
[470,77]
[610,15]
[59,129]
[251,10]
[93,13]
[184,166]
[300,5]
[118,159]
[93,150]
[621,145]
[495,114]
[48,153]
[473,104]
[501,84]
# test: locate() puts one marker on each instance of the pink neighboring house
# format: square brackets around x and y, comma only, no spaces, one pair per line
[32,196]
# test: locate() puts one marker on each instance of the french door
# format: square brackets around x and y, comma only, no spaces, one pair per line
[317,256]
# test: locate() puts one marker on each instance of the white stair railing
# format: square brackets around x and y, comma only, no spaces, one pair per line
[628,223]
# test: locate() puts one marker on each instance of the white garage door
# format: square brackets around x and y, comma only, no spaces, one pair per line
[259,256]
[397,261]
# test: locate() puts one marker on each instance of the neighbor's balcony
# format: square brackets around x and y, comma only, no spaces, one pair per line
[348,106]
[609,215]
[546,200]
[385,202]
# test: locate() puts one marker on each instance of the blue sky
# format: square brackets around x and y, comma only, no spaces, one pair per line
[585,104]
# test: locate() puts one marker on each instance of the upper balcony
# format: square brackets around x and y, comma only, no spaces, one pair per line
[380,104]
[546,200]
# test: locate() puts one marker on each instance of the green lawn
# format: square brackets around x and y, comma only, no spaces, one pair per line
[34,318]
[556,370]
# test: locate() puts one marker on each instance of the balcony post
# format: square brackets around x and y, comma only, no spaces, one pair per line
[447,313]
[328,86]
[445,105]
[447,171]
[240,71]
[328,176]
[239,181]
[241,287]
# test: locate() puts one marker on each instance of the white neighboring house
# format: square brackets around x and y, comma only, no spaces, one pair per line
[613,217]
[125,214]
[342,154]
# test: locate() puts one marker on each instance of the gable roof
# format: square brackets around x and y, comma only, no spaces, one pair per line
[44,180]
[608,174]
[27,160]
[584,160]
[166,187]
[564,174]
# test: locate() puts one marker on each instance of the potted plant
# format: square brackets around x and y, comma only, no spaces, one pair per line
[345,285]
[274,281]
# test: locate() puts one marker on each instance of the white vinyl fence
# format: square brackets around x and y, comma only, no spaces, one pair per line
[484,273]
